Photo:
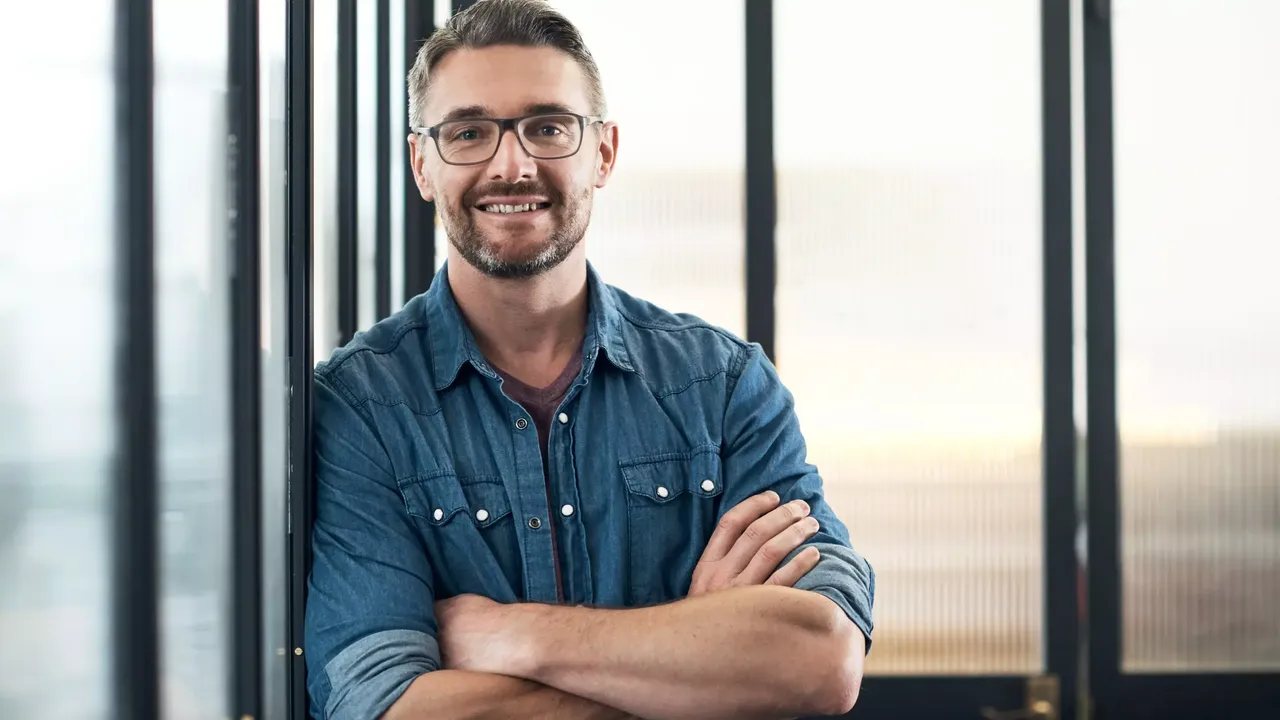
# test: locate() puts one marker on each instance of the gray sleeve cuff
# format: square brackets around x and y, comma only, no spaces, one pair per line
[846,578]
[369,675]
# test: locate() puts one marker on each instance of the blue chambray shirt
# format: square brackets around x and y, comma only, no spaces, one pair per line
[430,483]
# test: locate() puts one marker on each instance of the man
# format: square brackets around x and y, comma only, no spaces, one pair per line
[538,496]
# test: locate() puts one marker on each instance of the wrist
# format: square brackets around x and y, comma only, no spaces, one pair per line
[524,627]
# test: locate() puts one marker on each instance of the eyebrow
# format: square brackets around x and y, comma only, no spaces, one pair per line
[471,112]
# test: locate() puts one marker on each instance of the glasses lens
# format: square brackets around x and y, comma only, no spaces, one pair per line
[551,136]
[468,141]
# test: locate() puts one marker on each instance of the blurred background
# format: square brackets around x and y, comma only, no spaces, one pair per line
[909,309]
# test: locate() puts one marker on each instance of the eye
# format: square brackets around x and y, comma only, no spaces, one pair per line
[550,130]
[465,134]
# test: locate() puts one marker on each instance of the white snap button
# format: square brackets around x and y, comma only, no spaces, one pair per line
[567,510]
[662,492]
[708,486]
[438,514]
[564,419]
[482,515]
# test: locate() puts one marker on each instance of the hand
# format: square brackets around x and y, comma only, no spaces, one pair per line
[473,634]
[750,541]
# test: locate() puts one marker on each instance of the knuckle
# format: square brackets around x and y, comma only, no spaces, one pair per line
[753,533]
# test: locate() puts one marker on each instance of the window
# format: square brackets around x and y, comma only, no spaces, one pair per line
[57,316]
[1197,308]
[193,348]
[908,151]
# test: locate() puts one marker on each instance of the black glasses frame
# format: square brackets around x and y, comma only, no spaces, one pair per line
[505,124]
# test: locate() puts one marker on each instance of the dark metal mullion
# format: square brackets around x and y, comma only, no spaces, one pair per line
[1100,318]
[349,185]
[135,557]
[245,660]
[382,162]
[298,190]
[419,216]
[761,190]
[1061,609]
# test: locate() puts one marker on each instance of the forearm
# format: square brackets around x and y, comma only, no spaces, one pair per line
[459,695]
[765,652]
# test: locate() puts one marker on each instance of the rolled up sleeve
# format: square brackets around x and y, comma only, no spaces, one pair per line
[370,623]
[764,450]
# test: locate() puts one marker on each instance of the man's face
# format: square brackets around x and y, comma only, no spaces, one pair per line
[475,201]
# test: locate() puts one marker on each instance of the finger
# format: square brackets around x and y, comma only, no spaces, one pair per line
[771,554]
[788,575]
[762,531]
[735,521]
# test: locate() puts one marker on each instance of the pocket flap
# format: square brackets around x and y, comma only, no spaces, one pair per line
[439,498]
[664,477]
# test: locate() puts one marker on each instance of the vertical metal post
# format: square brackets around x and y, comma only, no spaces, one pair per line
[419,216]
[298,188]
[382,163]
[1058,453]
[761,190]
[135,582]
[1100,357]
[245,660]
[348,185]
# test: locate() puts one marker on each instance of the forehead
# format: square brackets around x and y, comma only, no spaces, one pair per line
[506,80]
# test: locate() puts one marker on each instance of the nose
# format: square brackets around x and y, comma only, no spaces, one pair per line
[511,163]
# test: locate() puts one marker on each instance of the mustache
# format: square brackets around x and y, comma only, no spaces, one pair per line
[518,188]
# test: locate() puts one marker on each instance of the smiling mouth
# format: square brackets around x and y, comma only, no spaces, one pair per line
[510,209]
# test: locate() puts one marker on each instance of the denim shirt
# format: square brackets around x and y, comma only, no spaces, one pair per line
[430,482]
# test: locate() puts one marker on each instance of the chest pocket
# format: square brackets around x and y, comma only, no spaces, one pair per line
[673,503]
[467,527]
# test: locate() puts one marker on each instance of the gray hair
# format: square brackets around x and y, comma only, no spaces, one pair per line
[525,23]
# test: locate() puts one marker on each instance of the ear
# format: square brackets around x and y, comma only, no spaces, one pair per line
[607,153]
[417,159]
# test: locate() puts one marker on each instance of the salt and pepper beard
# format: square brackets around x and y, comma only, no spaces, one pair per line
[569,220]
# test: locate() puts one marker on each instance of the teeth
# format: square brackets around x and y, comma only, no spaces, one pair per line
[510,208]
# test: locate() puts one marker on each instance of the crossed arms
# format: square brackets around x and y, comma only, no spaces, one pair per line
[775,624]
[744,644]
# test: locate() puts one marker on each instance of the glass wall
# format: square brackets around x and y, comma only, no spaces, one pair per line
[275,388]
[57,317]
[1197,108]
[324,174]
[193,347]
[908,155]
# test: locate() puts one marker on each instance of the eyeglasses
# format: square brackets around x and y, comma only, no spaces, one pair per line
[475,140]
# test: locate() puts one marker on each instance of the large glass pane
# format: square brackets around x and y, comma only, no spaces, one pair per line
[668,227]
[192,352]
[909,324]
[1197,109]
[57,318]
[324,173]
[275,389]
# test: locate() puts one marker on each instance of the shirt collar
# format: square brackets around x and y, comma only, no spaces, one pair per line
[453,344]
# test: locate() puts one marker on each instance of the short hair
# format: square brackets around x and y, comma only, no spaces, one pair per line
[525,23]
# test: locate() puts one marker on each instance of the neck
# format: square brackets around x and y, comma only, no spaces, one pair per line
[528,327]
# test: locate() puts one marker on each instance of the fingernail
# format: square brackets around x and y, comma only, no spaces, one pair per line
[800,505]
[773,496]
[813,523]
